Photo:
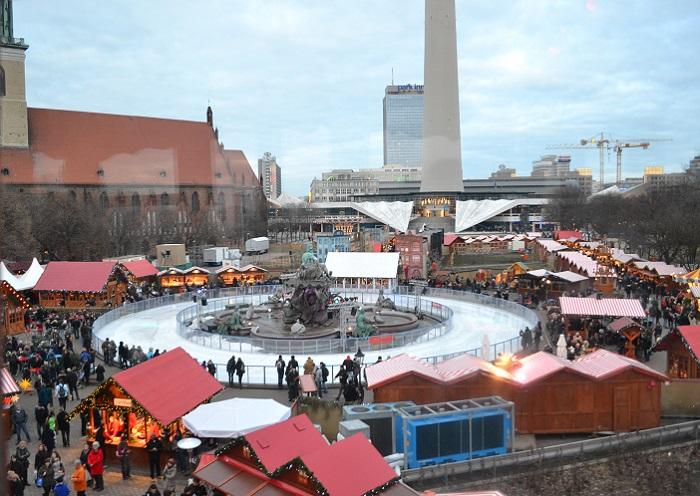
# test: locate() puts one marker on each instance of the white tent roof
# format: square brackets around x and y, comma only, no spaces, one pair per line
[394,214]
[235,417]
[287,200]
[472,212]
[363,264]
[25,281]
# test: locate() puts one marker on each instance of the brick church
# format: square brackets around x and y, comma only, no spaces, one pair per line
[121,163]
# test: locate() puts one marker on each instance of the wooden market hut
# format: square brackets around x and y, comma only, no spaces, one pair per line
[631,330]
[149,398]
[233,276]
[78,285]
[9,391]
[140,270]
[293,458]
[576,310]
[14,307]
[172,278]
[602,391]
[682,346]
[196,276]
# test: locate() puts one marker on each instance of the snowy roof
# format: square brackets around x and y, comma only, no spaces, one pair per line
[363,264]
[570,276]
[472,212]
[24,281]
[550,245]
[605,307]
[661,268]
[581,261]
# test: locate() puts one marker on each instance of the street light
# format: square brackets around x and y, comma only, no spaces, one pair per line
[360,356]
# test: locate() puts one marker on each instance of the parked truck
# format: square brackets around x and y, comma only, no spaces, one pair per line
[256,246]
[214,256]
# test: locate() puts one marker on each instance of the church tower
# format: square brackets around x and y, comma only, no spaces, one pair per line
[13,99]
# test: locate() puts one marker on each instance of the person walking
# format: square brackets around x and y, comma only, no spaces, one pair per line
[342,377]
[169,473]
[324,377]
[40,415]
[154,447]
[95,460]
[280,371]
[231,369]
[45,477]
[83,459]
[318,380]
[63,424]
[123,453]
[22,454]
[72,381]
[240,370]
[19,422]
[15,484]
[211,368]
[62,393]
[79,478]
[61,488]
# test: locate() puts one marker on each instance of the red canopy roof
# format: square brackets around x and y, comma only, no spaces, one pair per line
[140,268]
[169,385]
[280,443]
[8,386]
[564,235]
[351,467]
[75,276]
[606,307]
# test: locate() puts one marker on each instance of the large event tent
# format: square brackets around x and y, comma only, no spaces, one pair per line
[235,417]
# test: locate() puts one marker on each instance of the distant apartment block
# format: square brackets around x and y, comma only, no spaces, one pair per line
[270,176]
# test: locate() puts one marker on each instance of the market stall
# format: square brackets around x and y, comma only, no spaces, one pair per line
[233,276]
[78,285]
[147,399]
[578,312]
[172,278]
[14,306]
[140,271]
[234,417]
[631,330]
[9,390]
[682,346]
[196,276]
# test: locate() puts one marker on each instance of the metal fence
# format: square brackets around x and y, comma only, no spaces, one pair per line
[317,346]
[464,471]
[267,374]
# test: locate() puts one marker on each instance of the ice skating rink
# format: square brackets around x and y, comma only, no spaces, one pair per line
[157,328]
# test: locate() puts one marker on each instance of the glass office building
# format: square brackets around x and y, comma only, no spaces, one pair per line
[403,125]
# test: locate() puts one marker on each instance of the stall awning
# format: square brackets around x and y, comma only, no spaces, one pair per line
[75,276]
[606,307]
[140,268]
[622,324]
[169,385]
[234,417]
[8,386]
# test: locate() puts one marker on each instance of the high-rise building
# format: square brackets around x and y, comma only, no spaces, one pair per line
[442,152]
[552,166]
[13,100]
[270,175]
[403,125]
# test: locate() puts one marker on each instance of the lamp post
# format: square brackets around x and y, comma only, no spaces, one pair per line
[360,356]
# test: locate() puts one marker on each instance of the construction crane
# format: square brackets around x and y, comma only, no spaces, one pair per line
[604,144]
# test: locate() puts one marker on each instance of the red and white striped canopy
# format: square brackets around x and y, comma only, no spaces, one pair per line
[606,307]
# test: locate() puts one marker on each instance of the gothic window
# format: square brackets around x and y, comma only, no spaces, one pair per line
[164,200]
[72,195]
[221,205]
[152,200]
[135,202]
[2,81]
[183,199]
[195,202]
[104,201]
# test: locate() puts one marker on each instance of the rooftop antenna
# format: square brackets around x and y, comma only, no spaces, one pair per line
[392,76]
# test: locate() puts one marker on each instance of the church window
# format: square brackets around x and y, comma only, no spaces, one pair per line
[135,202]
[164,200]
[195,202]
[104,201]
[5,171]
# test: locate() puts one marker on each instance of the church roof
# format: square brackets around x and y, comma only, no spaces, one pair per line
[86,148]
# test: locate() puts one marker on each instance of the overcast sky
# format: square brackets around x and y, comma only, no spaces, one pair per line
[304,79]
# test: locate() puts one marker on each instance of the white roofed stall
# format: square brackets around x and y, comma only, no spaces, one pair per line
[358,269]
[470,213]
[24,281]
[235,417]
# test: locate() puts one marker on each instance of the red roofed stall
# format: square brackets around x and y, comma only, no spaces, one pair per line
[140,270]
[602,391]
[73,285]
[682,347]
[292,457]
[149,398]
[13,307]
[576,311]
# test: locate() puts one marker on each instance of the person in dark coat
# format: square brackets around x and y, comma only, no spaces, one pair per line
[40,414]
[100,373]
[40,457]
[154,447]
[48,437]
[63,425]
[15,484]
[240,370]
[231,369]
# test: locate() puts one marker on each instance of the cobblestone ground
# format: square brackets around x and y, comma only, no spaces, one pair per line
[114,485]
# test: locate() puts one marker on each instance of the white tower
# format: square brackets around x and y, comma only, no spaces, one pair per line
[442,155]
[13,100]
